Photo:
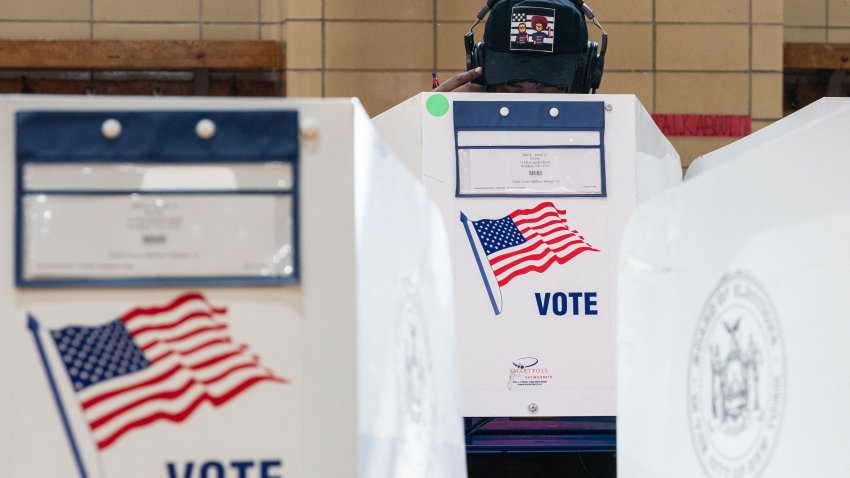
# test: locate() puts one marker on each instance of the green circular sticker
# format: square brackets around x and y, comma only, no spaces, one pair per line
[437,105]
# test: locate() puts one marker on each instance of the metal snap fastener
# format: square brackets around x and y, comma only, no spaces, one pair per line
[205,129]
[111,128]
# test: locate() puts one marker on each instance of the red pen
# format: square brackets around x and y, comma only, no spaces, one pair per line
[434,81]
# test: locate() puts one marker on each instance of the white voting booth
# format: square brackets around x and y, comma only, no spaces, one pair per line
[535,190]
[213,288]
[733,356]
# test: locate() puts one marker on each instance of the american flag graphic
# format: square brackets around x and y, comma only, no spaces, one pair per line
[529,240]
[155,363]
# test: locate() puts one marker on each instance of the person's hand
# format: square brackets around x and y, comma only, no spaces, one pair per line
[462,83]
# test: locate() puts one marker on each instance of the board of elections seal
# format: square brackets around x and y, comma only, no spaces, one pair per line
[736,380]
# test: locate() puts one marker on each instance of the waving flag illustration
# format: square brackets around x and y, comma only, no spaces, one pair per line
[151,364]
[526,240]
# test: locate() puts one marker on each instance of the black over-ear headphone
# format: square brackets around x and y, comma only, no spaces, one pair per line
[588,77]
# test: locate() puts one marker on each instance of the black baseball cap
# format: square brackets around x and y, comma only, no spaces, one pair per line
[543,41]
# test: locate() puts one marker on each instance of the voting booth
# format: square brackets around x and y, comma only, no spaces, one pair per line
[535,190]
[202,288]
[733,288]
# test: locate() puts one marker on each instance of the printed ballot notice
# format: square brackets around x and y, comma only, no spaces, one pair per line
[543,171]
[157,235]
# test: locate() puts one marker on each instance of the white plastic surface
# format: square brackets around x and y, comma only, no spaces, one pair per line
[365,340]
[825,109]
[562,363]
[733,292]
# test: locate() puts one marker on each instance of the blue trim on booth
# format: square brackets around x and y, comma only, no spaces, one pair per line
[157,137]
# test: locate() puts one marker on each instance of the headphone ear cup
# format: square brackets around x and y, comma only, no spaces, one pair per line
[581,80]
[478,60]
[590,64]
[469,47]
[597,70]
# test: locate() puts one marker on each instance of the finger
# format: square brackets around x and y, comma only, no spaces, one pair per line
[459,80]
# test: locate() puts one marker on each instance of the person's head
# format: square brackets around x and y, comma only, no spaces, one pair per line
[546,65]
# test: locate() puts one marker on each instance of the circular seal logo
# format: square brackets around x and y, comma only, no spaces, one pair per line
[736,380]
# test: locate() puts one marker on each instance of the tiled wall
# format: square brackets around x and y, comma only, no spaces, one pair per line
[140,20]
[817,21]
[711,57]
[678,56]
[693,57]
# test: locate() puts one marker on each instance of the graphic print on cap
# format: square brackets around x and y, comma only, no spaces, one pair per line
[533,29]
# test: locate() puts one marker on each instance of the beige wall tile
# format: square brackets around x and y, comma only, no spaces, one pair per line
[146,31]
[702,93]
[804,35]
[607,10]
[379,9]
[303,44]
[271,10]
[378,91]
[702,47]
[640,84]
[759,124]
[271,31]
[230,10]
[839,13]
[805,13]
[379,45]
[623,10]
[224,31]
[44,10]
[768,11]
[450,52]
[303,9]
[702,11]
[767,95]
[629,47]
[461,10]
[304,84]
[690,148]
[44,30]
[149,10]
[838,35]
[767,47]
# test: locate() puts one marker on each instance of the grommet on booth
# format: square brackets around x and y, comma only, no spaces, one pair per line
[554,112]
[504,111]
[205,129]
[309,129]
[111,128]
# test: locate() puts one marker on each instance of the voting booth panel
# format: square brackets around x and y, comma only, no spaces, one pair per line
[535,191]
[818,112]
[219,288]
[732,359]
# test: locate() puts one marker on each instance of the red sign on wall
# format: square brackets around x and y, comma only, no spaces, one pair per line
[727,126]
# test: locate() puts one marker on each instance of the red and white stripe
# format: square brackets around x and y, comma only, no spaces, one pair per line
[549,240]
[193,361]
